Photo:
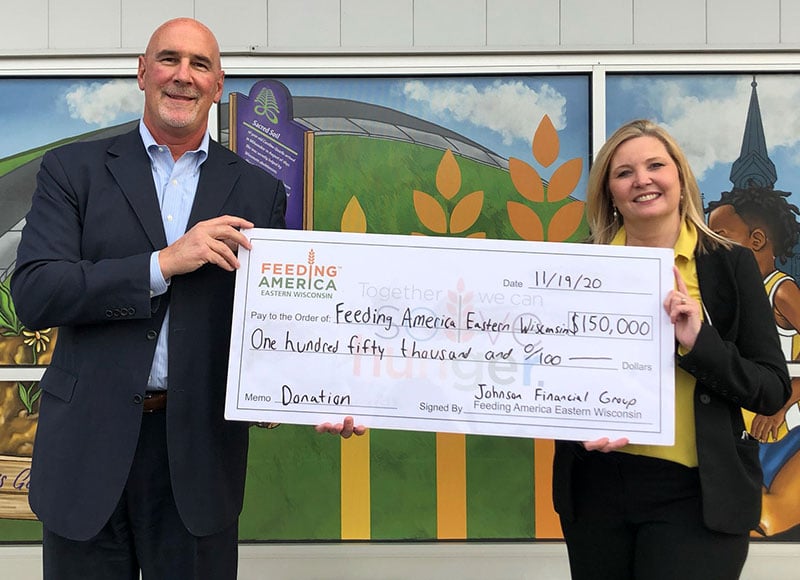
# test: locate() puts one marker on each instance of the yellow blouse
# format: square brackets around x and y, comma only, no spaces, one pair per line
[684,450]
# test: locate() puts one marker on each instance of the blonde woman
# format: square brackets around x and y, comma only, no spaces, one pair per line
[683,511]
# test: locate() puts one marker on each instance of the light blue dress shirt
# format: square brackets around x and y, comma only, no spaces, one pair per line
[176,184]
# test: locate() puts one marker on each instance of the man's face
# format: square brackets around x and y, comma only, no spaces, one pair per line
[181,78]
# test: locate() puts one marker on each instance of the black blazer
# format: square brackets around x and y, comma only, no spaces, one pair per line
[738,363]
[83,266]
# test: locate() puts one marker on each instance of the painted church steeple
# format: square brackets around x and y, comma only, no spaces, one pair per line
[753,167]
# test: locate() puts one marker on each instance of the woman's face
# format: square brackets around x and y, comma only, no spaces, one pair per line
[644,181]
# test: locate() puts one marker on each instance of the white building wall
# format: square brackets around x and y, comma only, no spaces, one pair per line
[628,33]
[78,27]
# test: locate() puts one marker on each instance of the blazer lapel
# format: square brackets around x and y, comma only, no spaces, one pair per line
[129,164]
[717,283]
[218,176]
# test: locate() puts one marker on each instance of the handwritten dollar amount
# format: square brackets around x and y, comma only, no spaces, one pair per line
[613,325]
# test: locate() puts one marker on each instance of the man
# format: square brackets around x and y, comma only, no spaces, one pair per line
[130,249]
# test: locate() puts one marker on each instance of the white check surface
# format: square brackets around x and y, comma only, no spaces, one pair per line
[492,337]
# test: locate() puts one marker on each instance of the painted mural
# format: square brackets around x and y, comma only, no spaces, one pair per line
[499,157]
[477,156]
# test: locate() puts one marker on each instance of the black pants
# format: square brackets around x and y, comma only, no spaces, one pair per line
[641,518]
[145,532]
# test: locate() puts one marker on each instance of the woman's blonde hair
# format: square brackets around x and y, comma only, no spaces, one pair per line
[603,221]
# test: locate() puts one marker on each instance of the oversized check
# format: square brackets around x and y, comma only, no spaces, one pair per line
[491,337]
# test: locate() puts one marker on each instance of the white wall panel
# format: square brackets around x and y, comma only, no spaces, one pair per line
[304,23]
[78,24]
[591,23]
[450,23]
[522,23]
[744,23]
[790,21]
[377,23]
[238,24]
[23,25]
[62,26]
[141,17]
[682,23]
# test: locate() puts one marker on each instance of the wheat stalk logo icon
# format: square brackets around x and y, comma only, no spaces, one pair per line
[311,260]
[433,215]
[530,185]
[267,105]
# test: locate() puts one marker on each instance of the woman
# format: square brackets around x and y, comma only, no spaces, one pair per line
[681,511]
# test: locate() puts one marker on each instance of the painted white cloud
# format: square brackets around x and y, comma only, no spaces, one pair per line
[710,128]
[103,103]
[780,109]
[511,109]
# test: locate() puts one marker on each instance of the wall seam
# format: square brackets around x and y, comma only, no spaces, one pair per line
[485,23]
[413,23]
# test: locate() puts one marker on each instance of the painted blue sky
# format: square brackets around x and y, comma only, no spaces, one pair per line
[39,111]
[501,113]
[706,114]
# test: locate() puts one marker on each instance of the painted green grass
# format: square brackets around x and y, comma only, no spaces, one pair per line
[11,162]
[14,531]
[384,174]
[293,485]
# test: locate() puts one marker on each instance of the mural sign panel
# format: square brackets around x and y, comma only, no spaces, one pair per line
[262,130]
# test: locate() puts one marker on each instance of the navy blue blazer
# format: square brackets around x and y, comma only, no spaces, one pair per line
[83,266]
[738,363]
